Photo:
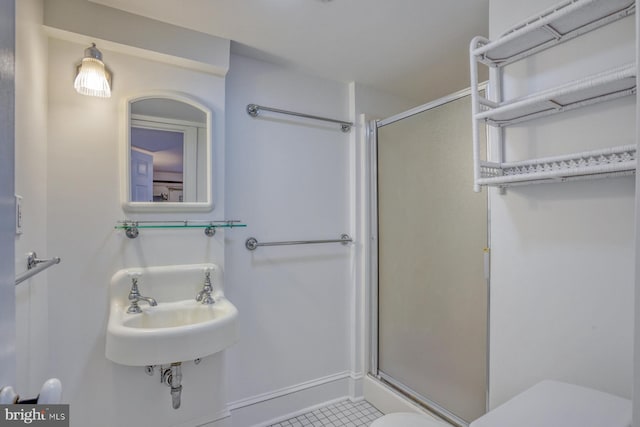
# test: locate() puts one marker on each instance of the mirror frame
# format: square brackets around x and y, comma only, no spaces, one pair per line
[125,157]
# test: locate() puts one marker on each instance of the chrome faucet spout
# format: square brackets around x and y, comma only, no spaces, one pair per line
[152,302]
[135,297]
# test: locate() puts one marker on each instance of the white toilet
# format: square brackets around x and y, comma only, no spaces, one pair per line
[548,404]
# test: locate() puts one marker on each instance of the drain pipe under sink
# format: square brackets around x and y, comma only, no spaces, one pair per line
[172,377]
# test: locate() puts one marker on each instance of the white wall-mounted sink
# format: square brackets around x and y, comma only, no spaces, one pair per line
[178,328]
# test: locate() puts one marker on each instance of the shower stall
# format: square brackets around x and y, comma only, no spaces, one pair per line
[430,260]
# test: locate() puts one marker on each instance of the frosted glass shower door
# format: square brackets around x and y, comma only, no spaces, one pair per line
[432,289]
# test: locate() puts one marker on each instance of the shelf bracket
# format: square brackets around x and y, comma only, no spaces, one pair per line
[553,32]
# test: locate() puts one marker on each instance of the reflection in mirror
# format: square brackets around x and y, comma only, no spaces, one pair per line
[157,163]
[168,151]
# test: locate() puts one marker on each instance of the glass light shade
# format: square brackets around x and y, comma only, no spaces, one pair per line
[92,79]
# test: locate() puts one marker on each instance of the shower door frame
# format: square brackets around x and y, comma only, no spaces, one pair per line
[372,137]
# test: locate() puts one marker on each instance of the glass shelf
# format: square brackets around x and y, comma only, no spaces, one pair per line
[132,227]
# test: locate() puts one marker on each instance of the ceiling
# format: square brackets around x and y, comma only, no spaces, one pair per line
[417,49]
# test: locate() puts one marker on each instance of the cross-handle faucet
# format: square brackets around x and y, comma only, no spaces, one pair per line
[135,297]
[204,296]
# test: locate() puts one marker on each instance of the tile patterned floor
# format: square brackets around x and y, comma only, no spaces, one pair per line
[341,414]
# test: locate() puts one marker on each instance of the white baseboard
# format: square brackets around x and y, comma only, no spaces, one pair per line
[220,419]
[288,402]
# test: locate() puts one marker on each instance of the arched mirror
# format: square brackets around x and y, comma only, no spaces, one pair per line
[167,154]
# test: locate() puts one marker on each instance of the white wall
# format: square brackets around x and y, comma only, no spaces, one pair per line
[302,308]
[31,178]
[636,383]
[288,179]
[82,185]
[563,254]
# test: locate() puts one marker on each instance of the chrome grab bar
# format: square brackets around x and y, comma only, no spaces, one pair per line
[253,110]
[35,265]
[252,243]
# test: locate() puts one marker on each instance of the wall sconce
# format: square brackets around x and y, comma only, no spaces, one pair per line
[92,77]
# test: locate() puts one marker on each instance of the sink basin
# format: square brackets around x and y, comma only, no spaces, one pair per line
[176,314]
[175,330]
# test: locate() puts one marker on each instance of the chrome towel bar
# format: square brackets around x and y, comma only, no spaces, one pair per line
[252,243]
[253,110]
[35,265]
